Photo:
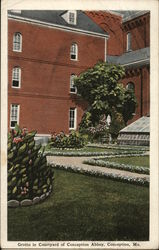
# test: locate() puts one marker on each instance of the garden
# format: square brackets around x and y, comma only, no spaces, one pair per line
[80,206]
[82,185]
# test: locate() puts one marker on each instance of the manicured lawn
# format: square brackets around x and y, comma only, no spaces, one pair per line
[84,208]
[135,160]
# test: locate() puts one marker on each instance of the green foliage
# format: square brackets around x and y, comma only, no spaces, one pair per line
[100,87]
[85,122]
[73,140]
[28,172]
[100,130]
[117,123]
[129,105]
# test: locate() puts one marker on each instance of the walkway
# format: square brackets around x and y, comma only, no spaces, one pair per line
[77,162]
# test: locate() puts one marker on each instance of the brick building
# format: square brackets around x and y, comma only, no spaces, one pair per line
[46,49]
[129,45]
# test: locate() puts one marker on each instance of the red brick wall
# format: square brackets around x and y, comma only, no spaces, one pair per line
[44,114]
[143,109]
[140,32]
[146,91]
[46,67]
[112,24]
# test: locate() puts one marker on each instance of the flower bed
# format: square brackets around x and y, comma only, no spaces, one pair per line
[73,140]
[127,167]
[122,155]
[118,177]
[78,153]
[29,202]
[113,146]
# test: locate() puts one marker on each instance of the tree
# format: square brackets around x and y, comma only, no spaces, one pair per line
[129,105]
[100,87]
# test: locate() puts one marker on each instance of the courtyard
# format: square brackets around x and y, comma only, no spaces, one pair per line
[86,206]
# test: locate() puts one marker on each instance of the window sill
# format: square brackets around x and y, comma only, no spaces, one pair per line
[17,50]
[76,60]
[13,87]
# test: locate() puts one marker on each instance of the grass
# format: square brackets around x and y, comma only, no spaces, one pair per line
[84,208]
[142,161]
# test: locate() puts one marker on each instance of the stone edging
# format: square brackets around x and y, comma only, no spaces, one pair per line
[28,202]
[131,168]
[57,153]
[143,181]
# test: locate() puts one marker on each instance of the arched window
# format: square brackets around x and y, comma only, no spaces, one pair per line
[17,42]
[16,77]
[74,51]
[73,89]
[131,85]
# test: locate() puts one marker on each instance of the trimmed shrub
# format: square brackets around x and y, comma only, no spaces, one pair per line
[73,140]
[116,124]
[28,173]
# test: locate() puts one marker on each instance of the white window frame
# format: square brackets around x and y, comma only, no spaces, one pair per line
[74,52]
[14,113]
[128,41]
[74,17]
[73,119]
[17,42]
[16,76]
[74,91]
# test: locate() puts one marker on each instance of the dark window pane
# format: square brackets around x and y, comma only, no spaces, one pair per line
[15,83]
[13,123]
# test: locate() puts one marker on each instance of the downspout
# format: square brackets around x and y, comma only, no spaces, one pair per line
[105,50]
[141,94]
[145,33]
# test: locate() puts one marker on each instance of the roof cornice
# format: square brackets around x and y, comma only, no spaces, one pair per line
[138,14]
[56,26]
[136,63]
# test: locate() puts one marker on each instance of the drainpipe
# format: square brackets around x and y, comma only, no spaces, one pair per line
[141,93]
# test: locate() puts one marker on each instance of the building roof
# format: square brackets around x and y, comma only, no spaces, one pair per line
[130,14]
[55,17]
[142,125]
[136,57]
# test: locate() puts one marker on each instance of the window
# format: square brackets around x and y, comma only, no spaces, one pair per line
[72,118]
[73,89]
[17,42]
[73,51]
[72,17]
[16,77]
[128,41]
[14,115]
[130,85]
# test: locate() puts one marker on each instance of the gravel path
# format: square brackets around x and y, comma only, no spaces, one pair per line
[77,162]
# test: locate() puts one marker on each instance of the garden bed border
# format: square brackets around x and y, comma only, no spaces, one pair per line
[114,165]
[29,202]
[143,181]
